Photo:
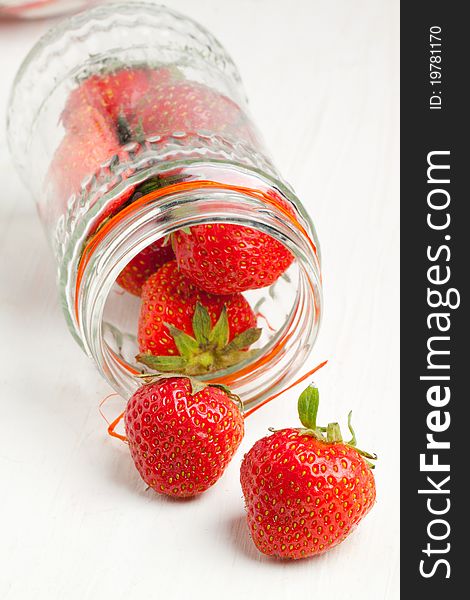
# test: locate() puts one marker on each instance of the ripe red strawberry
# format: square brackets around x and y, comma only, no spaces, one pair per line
[147,262]
[182,434]
[183,329]
[115,94]
[224,259]
[90,141]
[305,491]
[187,106]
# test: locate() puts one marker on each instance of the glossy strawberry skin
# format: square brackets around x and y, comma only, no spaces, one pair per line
[115,94]
[90,141]
[187,106]
[181,443]
[168,297]
[147,262]
[303,496]
[94,130]
[225,259]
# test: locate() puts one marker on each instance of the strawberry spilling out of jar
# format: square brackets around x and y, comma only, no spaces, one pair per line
[182,434]
[139,269]
[183,329]
[225,259]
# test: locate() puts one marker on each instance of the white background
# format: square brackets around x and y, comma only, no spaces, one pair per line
[75,519]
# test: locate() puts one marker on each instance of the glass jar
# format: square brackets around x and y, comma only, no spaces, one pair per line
[39,9]
[104,195]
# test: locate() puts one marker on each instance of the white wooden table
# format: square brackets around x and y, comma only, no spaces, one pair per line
[75,519]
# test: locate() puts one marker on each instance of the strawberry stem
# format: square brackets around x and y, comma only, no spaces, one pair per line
[123,130]
[352,444]
[333,433]
[352,441]
[308,404]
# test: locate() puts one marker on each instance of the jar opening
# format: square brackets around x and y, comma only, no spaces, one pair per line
[288,312]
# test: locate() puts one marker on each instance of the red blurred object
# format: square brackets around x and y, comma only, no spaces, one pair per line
[34,9]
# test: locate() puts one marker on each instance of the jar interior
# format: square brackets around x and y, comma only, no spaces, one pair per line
[288,311]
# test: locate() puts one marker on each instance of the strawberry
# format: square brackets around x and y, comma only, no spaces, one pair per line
[139,269]
[183,329]
[115,94]
[90,141]
[305,489]
[182,434]
[95,121]
[225,259]
[187,106]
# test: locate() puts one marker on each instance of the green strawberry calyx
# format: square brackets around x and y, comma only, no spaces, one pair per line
[308,403]
[208,351]
[158,181]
